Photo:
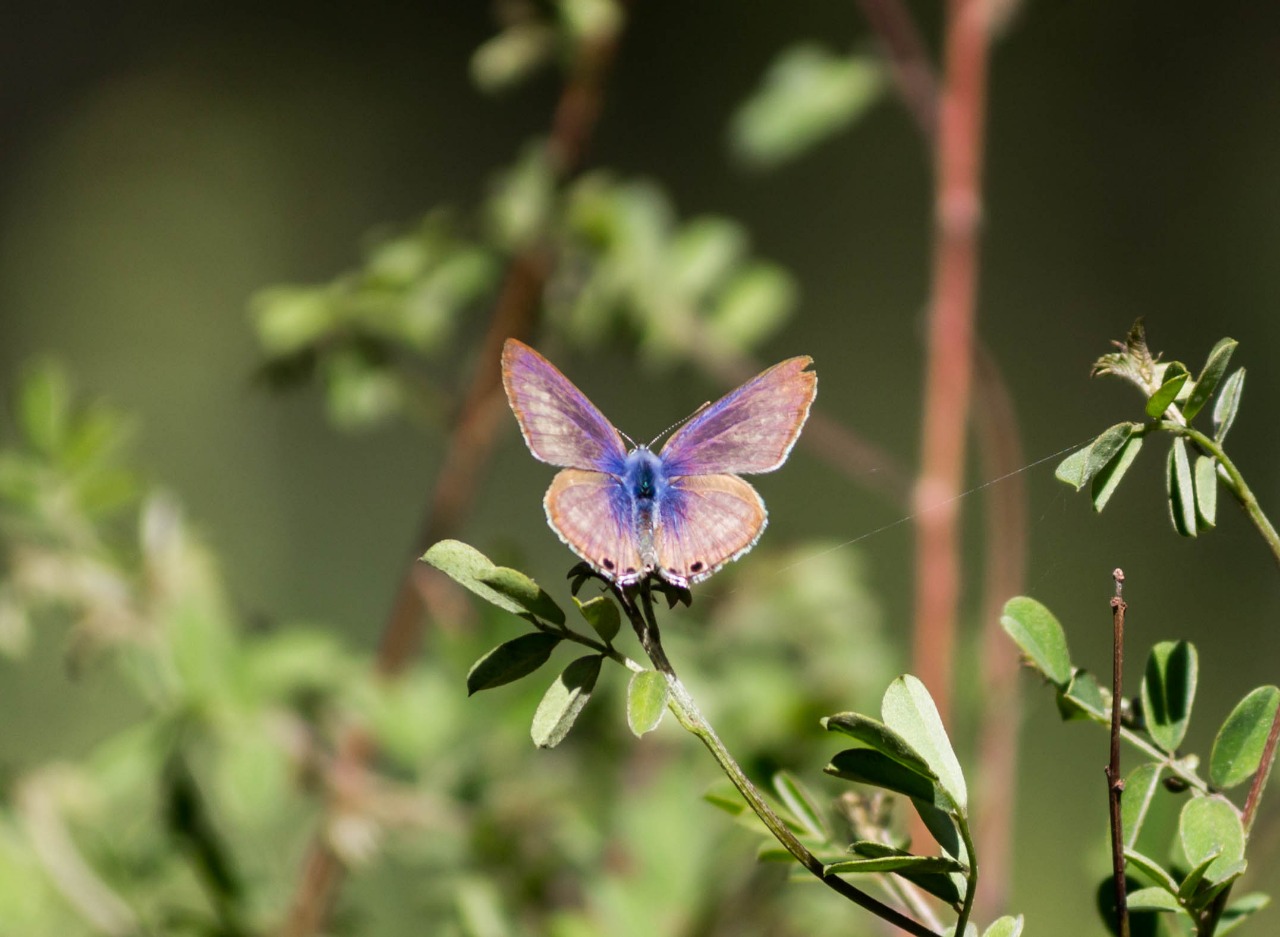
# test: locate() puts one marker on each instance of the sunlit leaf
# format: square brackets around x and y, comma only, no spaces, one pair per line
[1181,489]
[1210,826]
[1227,404]
[1153,870]
[646,701]
[1139,790]
[909,710]
[1158,402]
[564,701]
[1210,375]
[1005,927]
[44,407]
[1152,899]
[1206,474]
[807,95]
[1168,691]
[1109,477]
[526,593]
[1239,910]
[1238,747]
[802,804]
[602,615]
[468,567]
[509,57]
[1039,636]
[1084,698]
[875,734]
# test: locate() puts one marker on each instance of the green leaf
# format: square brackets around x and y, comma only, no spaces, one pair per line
[753,305]
[1168,691]
[1158,402]
[510,661]
[1005,927]
[1152,899]
[526,593]
[1108,479]
[1071,469]
[894,863]
[875,734]
[1152,870]
[941,826]
[909,710]
[703,254]
[1191,884]
[1084,699]
[1210,826]
[1080,467]
[1209,377]
[867,766]
[1040,637]
[1139,790]
[938,880]
[1228,402]
[602,615]
[1239,910]
[1206,472]
[725,796]
[564,700]
[808,94]
[801,803]
[468,567]
[44,407]
[1237,750]
[646,701]
[506,59]
[1182,495]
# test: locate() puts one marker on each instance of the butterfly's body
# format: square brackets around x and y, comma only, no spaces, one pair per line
[682,512]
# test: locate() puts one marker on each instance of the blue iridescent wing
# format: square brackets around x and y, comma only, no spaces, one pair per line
[560,425]
[749,430]
[704,522]
[592,513]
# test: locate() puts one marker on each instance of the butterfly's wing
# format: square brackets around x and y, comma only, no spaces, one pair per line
[560,425]
[751,429]
[704,522]
[591,511]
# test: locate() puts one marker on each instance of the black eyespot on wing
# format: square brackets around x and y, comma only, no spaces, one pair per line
[631,570]
[607,563]
[696,567]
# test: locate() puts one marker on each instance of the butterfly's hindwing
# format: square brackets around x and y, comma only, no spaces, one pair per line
[704,522]
[592,513]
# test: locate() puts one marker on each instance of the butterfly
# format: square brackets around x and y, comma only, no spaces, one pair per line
[682,512]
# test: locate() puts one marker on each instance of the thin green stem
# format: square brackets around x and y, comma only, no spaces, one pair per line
[971,891]
[683,707]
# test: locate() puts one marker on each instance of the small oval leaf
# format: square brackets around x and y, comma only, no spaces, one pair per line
[1005,927]
[1152,899]
[1206,472]
[516,658]
[1139,790]
[526,593]
[1158,402]
[1207,382]
[802,804]
[1228,402]
[1210,827]
[909,710]
[1169,691]
[1182,495]
[646,700]
[867,766]
[602,615]
[564,700]
[1108,480]
[467,566]
[875,734]
[1040,637]
[1237,750]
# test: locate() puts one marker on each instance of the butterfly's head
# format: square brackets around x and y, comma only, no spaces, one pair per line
[644,475]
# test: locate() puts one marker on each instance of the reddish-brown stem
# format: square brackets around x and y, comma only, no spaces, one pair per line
[1115,780]
[468,451]
[909,64]
[949,345]
[1006,551]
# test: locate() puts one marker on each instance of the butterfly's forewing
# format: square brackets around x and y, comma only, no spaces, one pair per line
[560,425]
[705,521]
[591,512]
[750,429]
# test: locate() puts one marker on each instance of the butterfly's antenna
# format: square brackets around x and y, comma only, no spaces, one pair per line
[678,423]
[634,445]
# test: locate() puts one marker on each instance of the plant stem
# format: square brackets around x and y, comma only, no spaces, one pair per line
[686,711]
[972,878]
[1115,781]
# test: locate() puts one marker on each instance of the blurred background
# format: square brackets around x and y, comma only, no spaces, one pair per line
[163,164]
